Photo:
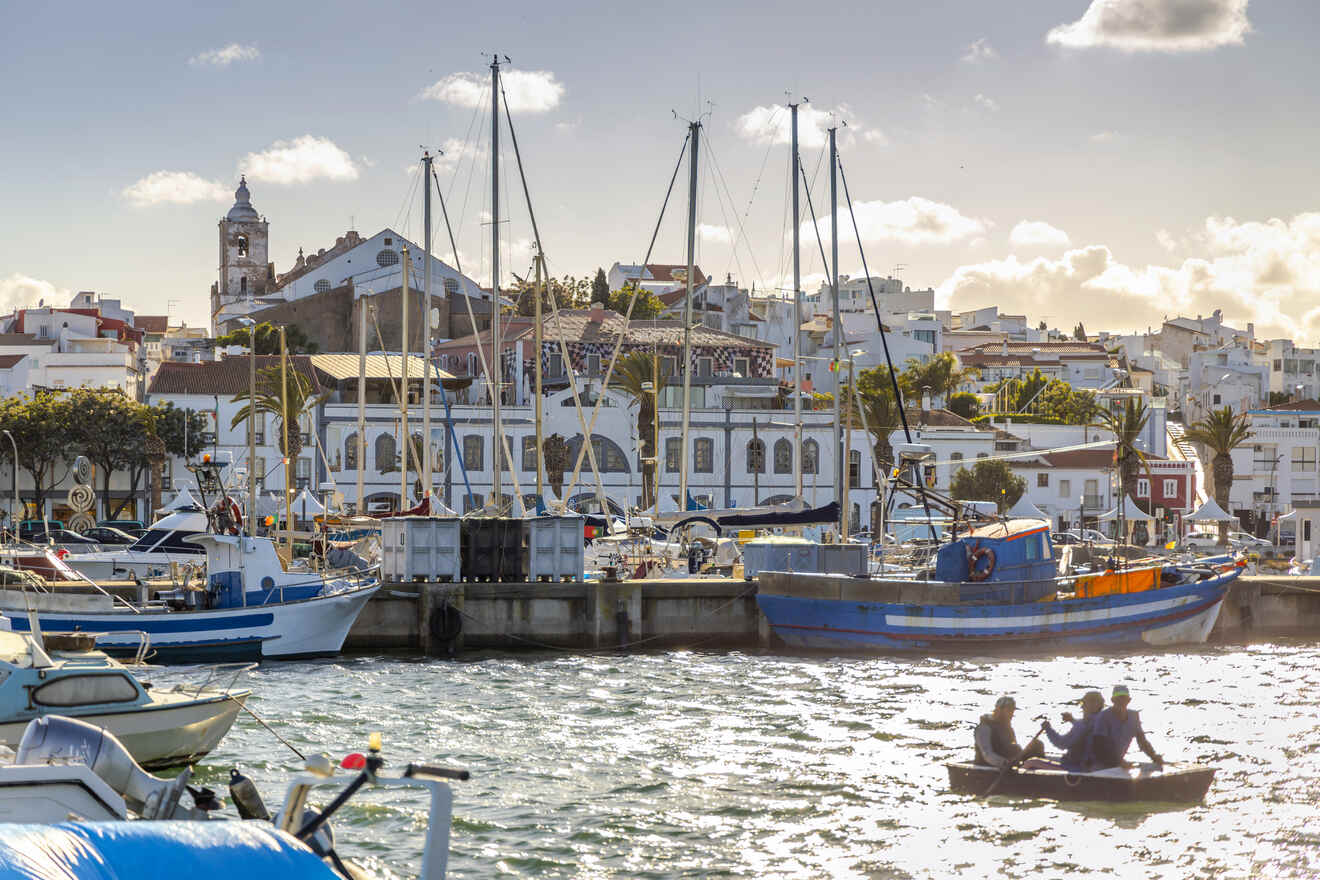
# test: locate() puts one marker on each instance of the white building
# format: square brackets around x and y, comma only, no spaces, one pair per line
[1277,466]
[1293,369]
[1227,376]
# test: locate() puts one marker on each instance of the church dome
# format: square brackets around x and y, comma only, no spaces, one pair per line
[242,209]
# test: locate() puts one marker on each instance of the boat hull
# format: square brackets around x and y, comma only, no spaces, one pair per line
[847,621]
[313,627]
[170,733]
[1173,784]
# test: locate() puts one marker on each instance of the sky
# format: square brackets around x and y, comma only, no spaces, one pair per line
[1103,161]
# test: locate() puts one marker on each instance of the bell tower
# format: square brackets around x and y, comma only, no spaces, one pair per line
[245,269]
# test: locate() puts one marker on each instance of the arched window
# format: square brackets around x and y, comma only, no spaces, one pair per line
[415,454]
[703,455]
[451,287]
[756,456]
[610,458]
[386,257]
[242,246]
[810,457]
[783,456]
[387,454]
[351,452]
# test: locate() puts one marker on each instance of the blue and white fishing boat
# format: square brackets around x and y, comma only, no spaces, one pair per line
[995,588]
[252,607]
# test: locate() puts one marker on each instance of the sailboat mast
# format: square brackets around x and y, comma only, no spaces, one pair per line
[403,390]
[797,317]
[536,347]
[840,465]
[497,356]
[426,333]
[361,440]
[288,459]
[694,129]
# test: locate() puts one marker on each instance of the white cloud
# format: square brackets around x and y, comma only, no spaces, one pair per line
[1166,240]
[300,160]
[980,50]
[225,56]
[175,187]
[911,221]
[454,152]
[1155,25]
[988,103]
[714,234]
[22,291]
[527,91]
[1263,272]
[773,125]
[1105,137]
[1037,233]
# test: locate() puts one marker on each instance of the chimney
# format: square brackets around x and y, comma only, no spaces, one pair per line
[925,402]
[1004,348]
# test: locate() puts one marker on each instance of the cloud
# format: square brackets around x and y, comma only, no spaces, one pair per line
[988,103]
[176,188]
[714,234]
[1155,25]
[1037,233]
[454,152]
[527,91]
[911,221]
[1166,240]
[300,160]
[1105,137]
[773,125]
[22,291]
[980,50]
[225,56]
[1266,272]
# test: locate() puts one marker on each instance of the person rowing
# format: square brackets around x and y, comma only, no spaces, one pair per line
[1114,730]
[1078,750]
[996,743]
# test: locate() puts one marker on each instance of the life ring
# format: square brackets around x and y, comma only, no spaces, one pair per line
[228,518]
[978,553]
[446,624]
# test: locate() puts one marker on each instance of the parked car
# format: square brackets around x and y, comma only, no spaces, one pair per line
[125,525]
[108,535]
[1249,542]
[29,528]
[1202,542]
[1084,536]
[59,536]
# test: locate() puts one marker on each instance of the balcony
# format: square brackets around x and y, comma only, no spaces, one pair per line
[1095,502]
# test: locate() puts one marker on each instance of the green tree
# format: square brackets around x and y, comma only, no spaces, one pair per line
[175,426]
[40,426]
[965,404]
[648,305]
[268,339]
[270,399]
[1061,401]
[1079,332]
[631,374]
[568,293]
[988,481]
[941,373]
[111,429]
[1221,432]
[1127,425]
[600,287]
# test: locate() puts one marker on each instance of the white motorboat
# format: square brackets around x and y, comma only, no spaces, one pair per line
[164,544]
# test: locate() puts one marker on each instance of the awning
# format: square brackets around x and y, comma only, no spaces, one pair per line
[184,500]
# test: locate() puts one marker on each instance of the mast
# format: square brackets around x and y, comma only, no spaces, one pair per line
[840,469]
[403,390]
[497,361]
[288,459]
[694,129]
[426,334]
[361,505]
[797,318]
[252,430]
[536,356]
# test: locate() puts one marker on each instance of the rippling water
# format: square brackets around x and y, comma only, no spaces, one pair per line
[737,765]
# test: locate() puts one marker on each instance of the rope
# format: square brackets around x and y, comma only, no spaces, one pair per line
[272,730]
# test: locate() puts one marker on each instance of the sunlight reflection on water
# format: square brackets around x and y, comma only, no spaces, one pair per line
[736,765]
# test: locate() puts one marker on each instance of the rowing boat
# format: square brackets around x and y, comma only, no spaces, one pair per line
[1173,783]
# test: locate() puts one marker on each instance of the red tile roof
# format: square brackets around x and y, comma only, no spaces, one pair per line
[665,272]
[152,323]
[1297,406]
[228,376]
[8,360]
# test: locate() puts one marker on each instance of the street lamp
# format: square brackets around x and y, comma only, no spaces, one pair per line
[13,504]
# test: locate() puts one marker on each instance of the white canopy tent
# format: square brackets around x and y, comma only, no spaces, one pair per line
[1210,512]
[305,505]
[1131,512]
[1024,509]
[183,500]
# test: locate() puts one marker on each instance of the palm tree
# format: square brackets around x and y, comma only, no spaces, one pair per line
[635,375]
[1127,426]
[270,392]
[1221,432]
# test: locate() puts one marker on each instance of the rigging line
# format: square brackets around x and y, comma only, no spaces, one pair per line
[453,247]
[627,318]
[472,174]
[808,184]
[467,143]
[742,230]
[406,208]
[815,225]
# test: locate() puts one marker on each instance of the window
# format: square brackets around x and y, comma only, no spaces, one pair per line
[854,467]
[1263,458]
[259,473]
[981,455]
[593,365]
[742,366]
[474,448]
[242,284]
[1031,545]
[1216,400]
[673,451]
[810,457]
[1042,480]
[302,473]
[783,456]
[705,366]
[259,428]
[351,452]
[415,454]
[703,455]
[1143,488]
[529,453]
[1303,458]
[472,363]
[957,456]
[756,456]
[1170,488]
[166,475]
[387,454]
[555,365]
[451,286]
[242,245]
[668,366]
[85,690]
[386,257]
[1306,530]
[1065,488]
[321,286]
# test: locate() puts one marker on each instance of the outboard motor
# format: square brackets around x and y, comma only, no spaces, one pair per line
[56,739]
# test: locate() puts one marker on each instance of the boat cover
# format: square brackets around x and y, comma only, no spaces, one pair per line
[124,850]
[827,514]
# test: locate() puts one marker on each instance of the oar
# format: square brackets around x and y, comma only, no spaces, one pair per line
[1009,765]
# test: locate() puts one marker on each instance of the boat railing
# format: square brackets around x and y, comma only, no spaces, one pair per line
[102,590]
[143,652]
[219,678]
